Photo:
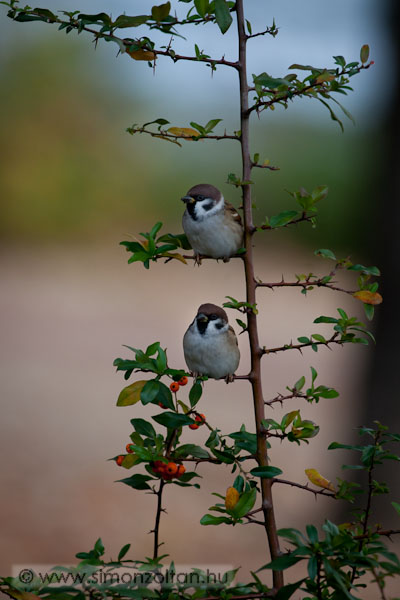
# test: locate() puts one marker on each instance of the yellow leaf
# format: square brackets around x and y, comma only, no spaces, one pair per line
[141,54]
[186,132]
[130,460]
[131,394]
[325,77]
[266,162]
[174,255]
[231,498]
[319,480]
[368,297]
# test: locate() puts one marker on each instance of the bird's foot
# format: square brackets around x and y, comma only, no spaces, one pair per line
[195,375]
[226,259]
[197,259]
[230,378]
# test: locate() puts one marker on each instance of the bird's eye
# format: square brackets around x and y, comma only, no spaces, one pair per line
[212,317]
[200,197]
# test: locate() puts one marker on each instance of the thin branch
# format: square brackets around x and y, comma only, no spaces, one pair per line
[285,96]
[270,167]
[291,346]
[280,398]
[384,532]
[302,218]
[269,30]
[156,529]
[209,60]
[164,134]
[305,487]
[305,285]
[379,581]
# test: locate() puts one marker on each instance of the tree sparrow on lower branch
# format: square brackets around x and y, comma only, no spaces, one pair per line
[212,226]
[210,345]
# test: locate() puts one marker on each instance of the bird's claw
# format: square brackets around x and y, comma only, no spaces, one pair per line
[229,378]
[197,259]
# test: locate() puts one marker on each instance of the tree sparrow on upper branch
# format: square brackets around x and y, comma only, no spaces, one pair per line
[212,226]
[210,345]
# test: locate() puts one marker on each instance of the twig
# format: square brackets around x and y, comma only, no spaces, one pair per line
[291,346]
[164,134]
[302,218]
[280,398]
[285,96]
[305,487]
[304,284]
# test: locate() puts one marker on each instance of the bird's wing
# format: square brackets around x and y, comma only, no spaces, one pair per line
[232,212]
[232,335]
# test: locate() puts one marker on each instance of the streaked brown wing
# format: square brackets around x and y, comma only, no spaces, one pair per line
[233,213]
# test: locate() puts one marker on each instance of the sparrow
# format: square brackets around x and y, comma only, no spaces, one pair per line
[212,225]
[210,344]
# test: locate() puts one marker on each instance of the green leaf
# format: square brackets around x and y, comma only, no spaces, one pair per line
[138,481]
[191,450]
[124,550]
[159,13]
[172,420]
[245,503]
[195,394]
[266,472]
[211,520]
[150,391]
[282,562]
[300,384]
[323,319]
[126,21]
[222,15]
[325,253]
[283,218]
[143,427]
[396,507]
[287,591]
[201,7]
[225,457]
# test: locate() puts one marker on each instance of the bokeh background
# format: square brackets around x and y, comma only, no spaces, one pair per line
[73,184]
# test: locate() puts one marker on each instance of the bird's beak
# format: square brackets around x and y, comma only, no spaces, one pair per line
[188,199]
[202,318]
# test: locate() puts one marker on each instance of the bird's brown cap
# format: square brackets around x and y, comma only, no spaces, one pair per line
[212,309]
[205,189]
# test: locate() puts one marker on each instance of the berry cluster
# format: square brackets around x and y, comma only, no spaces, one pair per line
[175,385]
[200,420]
[167,471]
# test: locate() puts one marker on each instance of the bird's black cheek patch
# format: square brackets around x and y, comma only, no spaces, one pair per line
[191,207]
[202,326]
[208,206]
[219,325]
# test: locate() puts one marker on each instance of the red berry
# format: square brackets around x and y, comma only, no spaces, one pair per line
[120,459]
[181,470]
[130,448]
[171,469]
[158,467]
[161,405]
[183,380]
[201,419]
[174,387]
[193,426]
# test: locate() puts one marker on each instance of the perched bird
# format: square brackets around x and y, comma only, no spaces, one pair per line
[212,226]
[210,345]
